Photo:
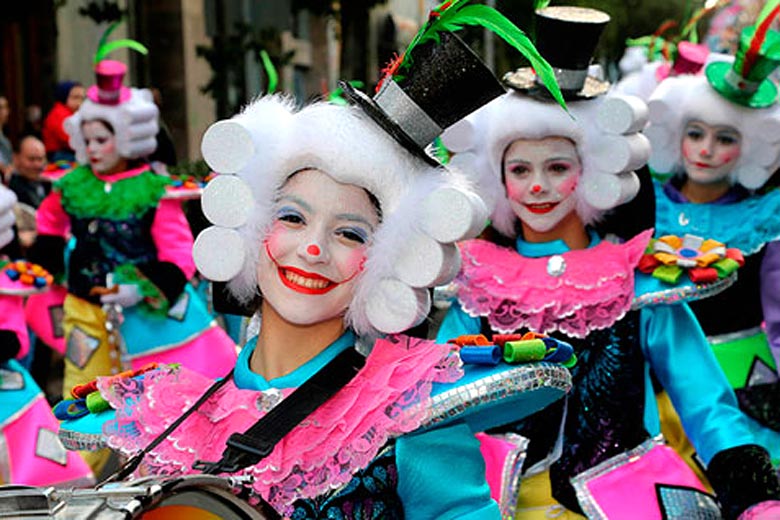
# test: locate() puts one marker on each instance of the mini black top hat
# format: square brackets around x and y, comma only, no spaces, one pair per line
[566,36]
[439,79]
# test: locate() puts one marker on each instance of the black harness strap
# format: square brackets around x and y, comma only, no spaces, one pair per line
[248,448]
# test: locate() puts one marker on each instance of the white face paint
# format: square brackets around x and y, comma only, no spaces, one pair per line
[710,151]
[540,176]
[316,247]
[101,147]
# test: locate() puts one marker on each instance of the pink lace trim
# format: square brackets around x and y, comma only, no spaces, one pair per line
[320,454]
[514,292]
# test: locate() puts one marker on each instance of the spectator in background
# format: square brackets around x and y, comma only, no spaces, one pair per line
[6,151]
[29,162]
[68,98]
[33,121]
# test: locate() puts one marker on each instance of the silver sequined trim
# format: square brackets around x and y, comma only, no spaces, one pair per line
[81,347]
[686,293]
[688,503]
[5,460]
[77,441]
[497,387]
[512,474]
[48,446]
[407,114]
[734,336]
[739,83]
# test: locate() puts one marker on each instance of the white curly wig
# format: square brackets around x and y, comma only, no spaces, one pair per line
[680,100]
[134,122]
[424,209]
[605,131]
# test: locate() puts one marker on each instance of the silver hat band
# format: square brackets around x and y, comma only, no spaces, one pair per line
[739,83]
[407,114]
[568,79]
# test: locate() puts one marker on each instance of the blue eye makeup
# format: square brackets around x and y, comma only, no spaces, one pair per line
[354,234]
[290,214]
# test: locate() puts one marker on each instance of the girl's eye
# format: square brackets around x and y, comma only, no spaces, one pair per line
[559,167]
[290,216]
[726,139]
[519,169]
[354,235]
[695,134]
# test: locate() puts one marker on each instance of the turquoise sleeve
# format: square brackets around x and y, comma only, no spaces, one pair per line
[441,475]
[456,323]
[680,356]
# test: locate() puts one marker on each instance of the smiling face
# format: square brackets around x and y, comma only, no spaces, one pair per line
[101,147]
[709,152]
[316,247]
[540,176]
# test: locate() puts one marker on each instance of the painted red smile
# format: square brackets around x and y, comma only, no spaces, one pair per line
[541,208]
[703,165]
[304,281]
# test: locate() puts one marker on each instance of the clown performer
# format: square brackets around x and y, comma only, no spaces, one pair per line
[128,299]
[30,451]
[719,136]
[547,176]
[343,226]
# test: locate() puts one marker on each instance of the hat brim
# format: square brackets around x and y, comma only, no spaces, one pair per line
[765,96]
[524,80]
[124,95]
[362,101]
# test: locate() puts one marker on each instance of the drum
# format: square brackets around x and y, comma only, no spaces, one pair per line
[190,497]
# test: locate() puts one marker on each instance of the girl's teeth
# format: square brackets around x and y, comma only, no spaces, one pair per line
[309,283]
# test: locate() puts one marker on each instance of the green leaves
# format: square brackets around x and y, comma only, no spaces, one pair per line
[104,48]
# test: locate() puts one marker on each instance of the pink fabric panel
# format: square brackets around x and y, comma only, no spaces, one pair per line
[39,317]
[494,451]
[211,354]
[51,217]
[172,236]
[621,496]
[12,318]
[26,467]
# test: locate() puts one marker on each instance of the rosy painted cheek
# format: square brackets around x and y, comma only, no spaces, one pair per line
[686,150]
[513,191]
[276,239]
[568,186]
[352,263]
[729,157]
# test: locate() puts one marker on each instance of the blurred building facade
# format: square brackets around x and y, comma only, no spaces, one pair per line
[201,44]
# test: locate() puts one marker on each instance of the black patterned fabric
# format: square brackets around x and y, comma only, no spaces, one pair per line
[372,494]
[741,477]
[102,245]
[605,407]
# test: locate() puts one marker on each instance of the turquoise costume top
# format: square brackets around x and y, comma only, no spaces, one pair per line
[381,447]
[612,374]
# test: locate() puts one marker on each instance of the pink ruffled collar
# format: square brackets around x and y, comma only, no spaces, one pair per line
[574,293]
[388,397]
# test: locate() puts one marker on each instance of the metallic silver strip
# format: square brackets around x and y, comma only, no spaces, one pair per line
[5,461]
[568,79]
[496,387]
[77,441]
[407,114]
[734,336]
[688,293]
[739,83]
